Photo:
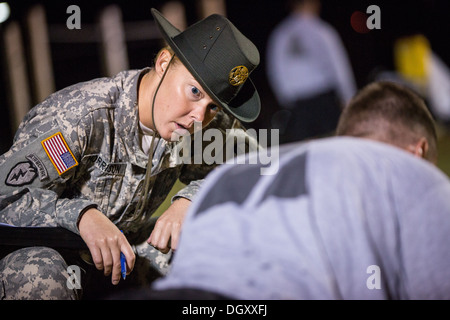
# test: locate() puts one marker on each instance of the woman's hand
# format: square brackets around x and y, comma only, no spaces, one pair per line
[167,229]
[105,242]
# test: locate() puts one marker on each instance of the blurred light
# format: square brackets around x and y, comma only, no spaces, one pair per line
[4,11]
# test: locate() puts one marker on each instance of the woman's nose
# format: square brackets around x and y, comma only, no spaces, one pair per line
[199,112]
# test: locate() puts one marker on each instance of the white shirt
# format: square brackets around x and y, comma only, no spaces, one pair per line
[146,135]
[306,57]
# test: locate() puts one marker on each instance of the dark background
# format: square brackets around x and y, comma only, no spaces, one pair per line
[368,52]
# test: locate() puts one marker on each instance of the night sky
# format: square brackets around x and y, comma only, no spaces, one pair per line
[368,52]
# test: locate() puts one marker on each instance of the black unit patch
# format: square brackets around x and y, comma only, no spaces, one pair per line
[21,174]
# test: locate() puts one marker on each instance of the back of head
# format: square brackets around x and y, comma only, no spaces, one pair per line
[391,113]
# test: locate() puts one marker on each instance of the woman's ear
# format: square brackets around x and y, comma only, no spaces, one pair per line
[162,62]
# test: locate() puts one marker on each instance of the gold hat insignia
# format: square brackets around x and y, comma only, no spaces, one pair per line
[238,75]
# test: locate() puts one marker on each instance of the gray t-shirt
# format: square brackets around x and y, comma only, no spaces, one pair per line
[343,218]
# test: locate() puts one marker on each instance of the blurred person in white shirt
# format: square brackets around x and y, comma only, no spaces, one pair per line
[309,73]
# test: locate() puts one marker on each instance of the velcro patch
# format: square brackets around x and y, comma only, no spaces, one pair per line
[59,153]
[42,172]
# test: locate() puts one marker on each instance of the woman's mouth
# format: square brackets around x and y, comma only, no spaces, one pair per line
[180,130]
[180,126]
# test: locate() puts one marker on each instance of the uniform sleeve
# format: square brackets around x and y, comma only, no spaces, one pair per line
[235,141]
[36,172]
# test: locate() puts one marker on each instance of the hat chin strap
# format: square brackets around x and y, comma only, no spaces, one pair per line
[156,91]
[139,213]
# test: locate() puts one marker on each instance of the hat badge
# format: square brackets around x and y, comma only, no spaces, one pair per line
[238,75]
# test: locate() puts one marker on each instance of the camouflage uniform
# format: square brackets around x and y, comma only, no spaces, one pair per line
[99,163]
[35,273]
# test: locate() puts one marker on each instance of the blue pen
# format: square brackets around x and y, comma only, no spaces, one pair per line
[123,264]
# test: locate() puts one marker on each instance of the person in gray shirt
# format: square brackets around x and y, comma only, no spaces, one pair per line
[343,218]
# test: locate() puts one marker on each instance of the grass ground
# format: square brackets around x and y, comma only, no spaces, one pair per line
[444,150]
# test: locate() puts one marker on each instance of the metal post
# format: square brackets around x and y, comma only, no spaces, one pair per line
[208,7]
[17,74]
[113,40]
[41,61]
[174,12]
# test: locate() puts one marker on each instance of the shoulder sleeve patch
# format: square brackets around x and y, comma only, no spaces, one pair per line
[59,153]
[21,174]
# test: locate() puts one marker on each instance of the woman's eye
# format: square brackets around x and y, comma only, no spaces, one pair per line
[195,91]
[213,107]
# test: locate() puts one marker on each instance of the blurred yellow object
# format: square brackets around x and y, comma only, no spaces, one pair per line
[411,58]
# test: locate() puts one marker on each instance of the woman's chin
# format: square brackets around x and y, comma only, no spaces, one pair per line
[177,134]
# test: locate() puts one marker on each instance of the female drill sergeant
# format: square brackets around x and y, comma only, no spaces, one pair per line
[97,157]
